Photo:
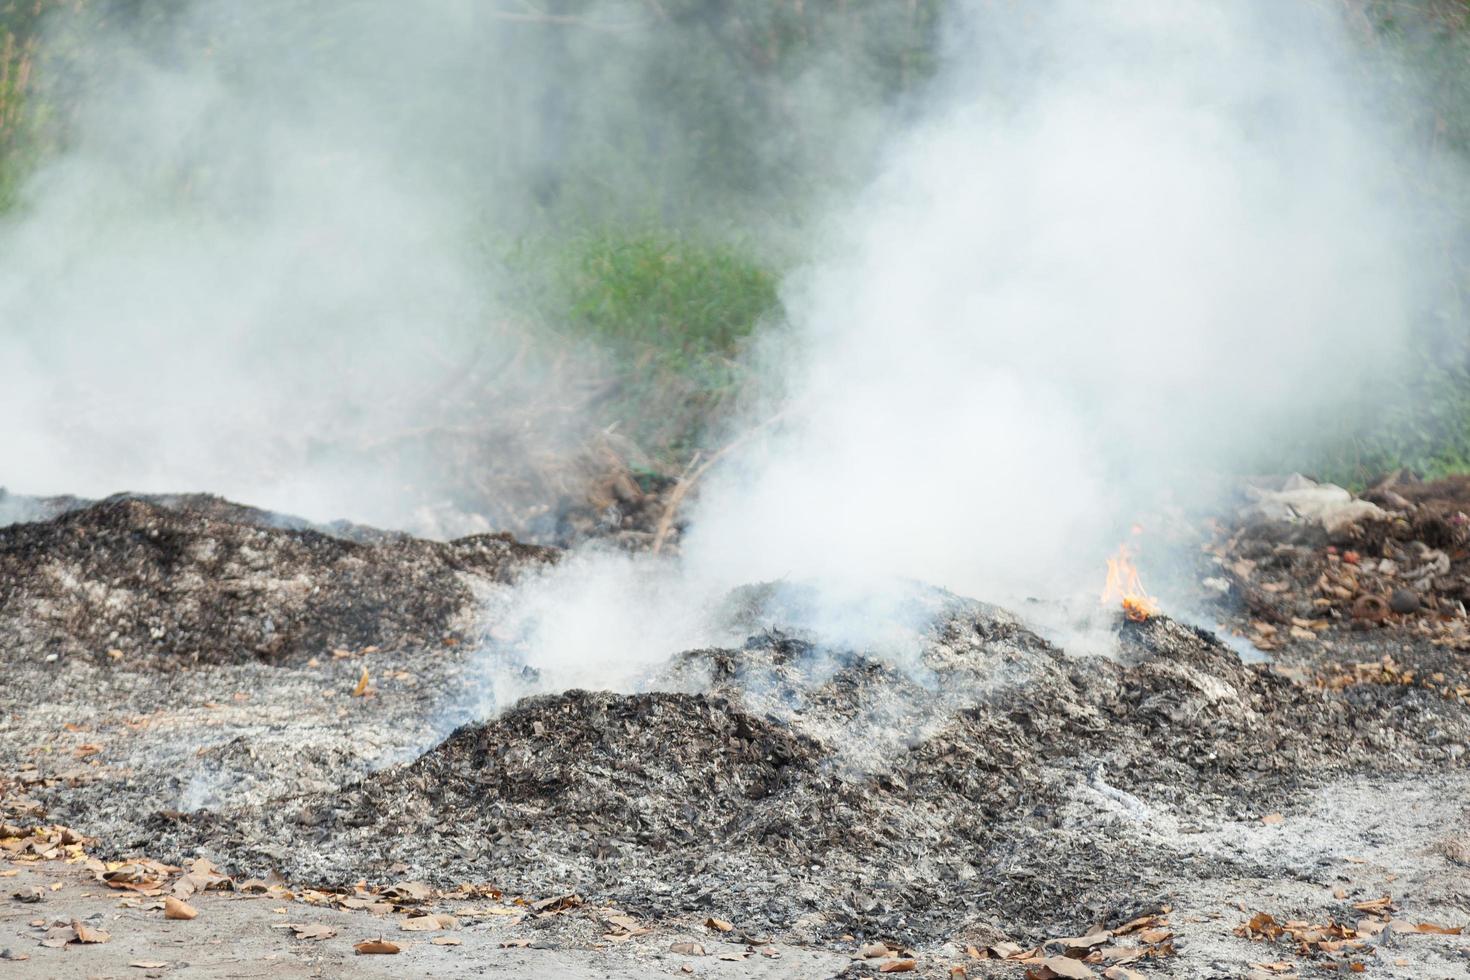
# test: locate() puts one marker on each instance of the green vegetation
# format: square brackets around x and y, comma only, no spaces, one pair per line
[671,311]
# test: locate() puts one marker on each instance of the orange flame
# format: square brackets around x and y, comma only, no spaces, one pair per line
[1125,587]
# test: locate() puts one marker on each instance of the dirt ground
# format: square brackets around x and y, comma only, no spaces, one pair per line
[776,808]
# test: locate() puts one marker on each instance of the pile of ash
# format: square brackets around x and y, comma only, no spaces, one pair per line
[196,578]
[809,793]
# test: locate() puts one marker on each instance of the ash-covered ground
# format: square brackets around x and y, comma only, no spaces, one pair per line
[185,677]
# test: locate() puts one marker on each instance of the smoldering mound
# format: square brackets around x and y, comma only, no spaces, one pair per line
[186,578]
[996,770]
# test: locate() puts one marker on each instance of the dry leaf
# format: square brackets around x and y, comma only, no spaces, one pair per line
[873,951]
[174,908]
[1003,951]
[1088,941]
[446,940]
[86,934]
[1121,973]
[1271,819]
[1155,936]
[58,936]
[560,903]
[1430,927]
[719,925]
[148,964]
[312,931]
[420,923]
[1064,966]
[687,949]
[362,684]
[898,966]
[368,946]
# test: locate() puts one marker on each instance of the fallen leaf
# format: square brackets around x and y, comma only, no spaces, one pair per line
[873,951]
[1155,936]
[58,936]
[1088,941]
[561,903]
[1271,819]
[515,943]
[362,684]
[314,930]
[174,908]
[1003,951]
[446,940]
[9,954]
[420,923]
[1430,927]
[86,934]
[1122,973]
[687,949]
[898,966]
[369,946]
[1064,966]
[719,925]
[148,964]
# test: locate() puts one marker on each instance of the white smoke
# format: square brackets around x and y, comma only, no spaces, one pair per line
[266,260]
[1123,245]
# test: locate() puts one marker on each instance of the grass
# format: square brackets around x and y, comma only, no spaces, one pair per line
[671,310]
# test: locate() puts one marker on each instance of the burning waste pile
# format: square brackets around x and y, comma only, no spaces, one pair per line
[802,789]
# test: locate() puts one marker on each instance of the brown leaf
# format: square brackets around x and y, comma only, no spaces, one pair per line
[86,934]
[58,936]
[898,966]
[1088,941]
[370,946]
[1122,973]
[1430,927]
[446,940]
[873,951]
[1374,904]
[362,684]
[687,949]
[174,908]
[1155,936]
[313,930]
[1064,966]
[420,923]
[719,925]
[1133,925]
[148,964]
[559,903]
[1003,951]
[1272,819]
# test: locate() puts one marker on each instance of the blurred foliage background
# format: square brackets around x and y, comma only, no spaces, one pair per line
[658,205]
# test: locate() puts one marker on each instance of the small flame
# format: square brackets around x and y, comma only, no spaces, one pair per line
[1125,587]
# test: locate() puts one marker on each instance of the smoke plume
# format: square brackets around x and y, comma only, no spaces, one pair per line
[1121,248]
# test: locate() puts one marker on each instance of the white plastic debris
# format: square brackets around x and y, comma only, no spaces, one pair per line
[1302,499]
